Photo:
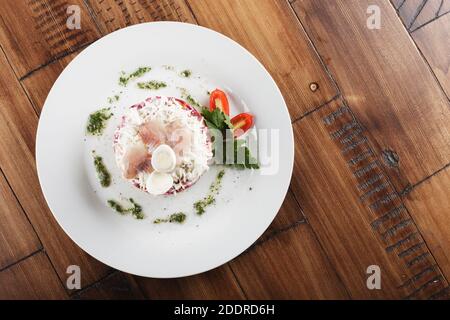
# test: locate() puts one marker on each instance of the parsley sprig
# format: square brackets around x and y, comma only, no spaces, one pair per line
[216,119]
[239,155]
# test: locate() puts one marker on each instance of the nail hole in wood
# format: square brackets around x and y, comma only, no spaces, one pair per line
[313,86]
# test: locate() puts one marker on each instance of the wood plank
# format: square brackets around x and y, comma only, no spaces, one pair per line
[270,30]
[397,3]
[18,124]
[287,262]
[289,215]
[429,204]
[290,265]
[433,42]
[218,283]
[417,13]
[117,286]
[32,278]
[432,10]
[17,237]
[34,32]
[358,217]
[112,15]
[410,10]
[39,83]
[386,82]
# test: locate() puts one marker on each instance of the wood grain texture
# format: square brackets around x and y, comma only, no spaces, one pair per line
[112,15]
[432,10]
[218,283]
[429,204]
[32,278]
[433,41]
[117,286]
[17,237]
[417,13]
[287,262]
[18,124]
[410,10]
[38,84]
[358,217]
[290,265]
[391,89]
[397,3]
[270,30]
[289,215]
[34,32]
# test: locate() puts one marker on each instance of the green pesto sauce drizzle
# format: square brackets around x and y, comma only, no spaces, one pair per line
[193,102]
[201,205]
[125,78]
[113,99]
[116,206]
[97,121]
[186,73]
[173,218]
[152,85]
[189,98]
[102,172]
[135,210]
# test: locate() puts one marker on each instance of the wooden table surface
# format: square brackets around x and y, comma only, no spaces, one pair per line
[371,117]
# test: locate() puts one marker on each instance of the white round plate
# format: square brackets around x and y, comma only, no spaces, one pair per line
[246,205]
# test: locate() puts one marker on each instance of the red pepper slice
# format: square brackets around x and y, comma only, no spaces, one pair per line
[218,99]
[242,123]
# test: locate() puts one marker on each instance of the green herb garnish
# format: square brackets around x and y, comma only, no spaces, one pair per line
[190,99]
[135,210]
[186,73]
[201,205]
[125,78]
[97,121]
[113,98]
[116,206]
[102,172]
[241,157]
[216,119]
[193,102]
[179,217]
[238,155]
[152,85]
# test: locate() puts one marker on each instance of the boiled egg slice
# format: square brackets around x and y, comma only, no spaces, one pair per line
[164,159]
[159,183]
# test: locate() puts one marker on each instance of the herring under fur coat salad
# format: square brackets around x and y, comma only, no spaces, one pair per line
[163,145]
